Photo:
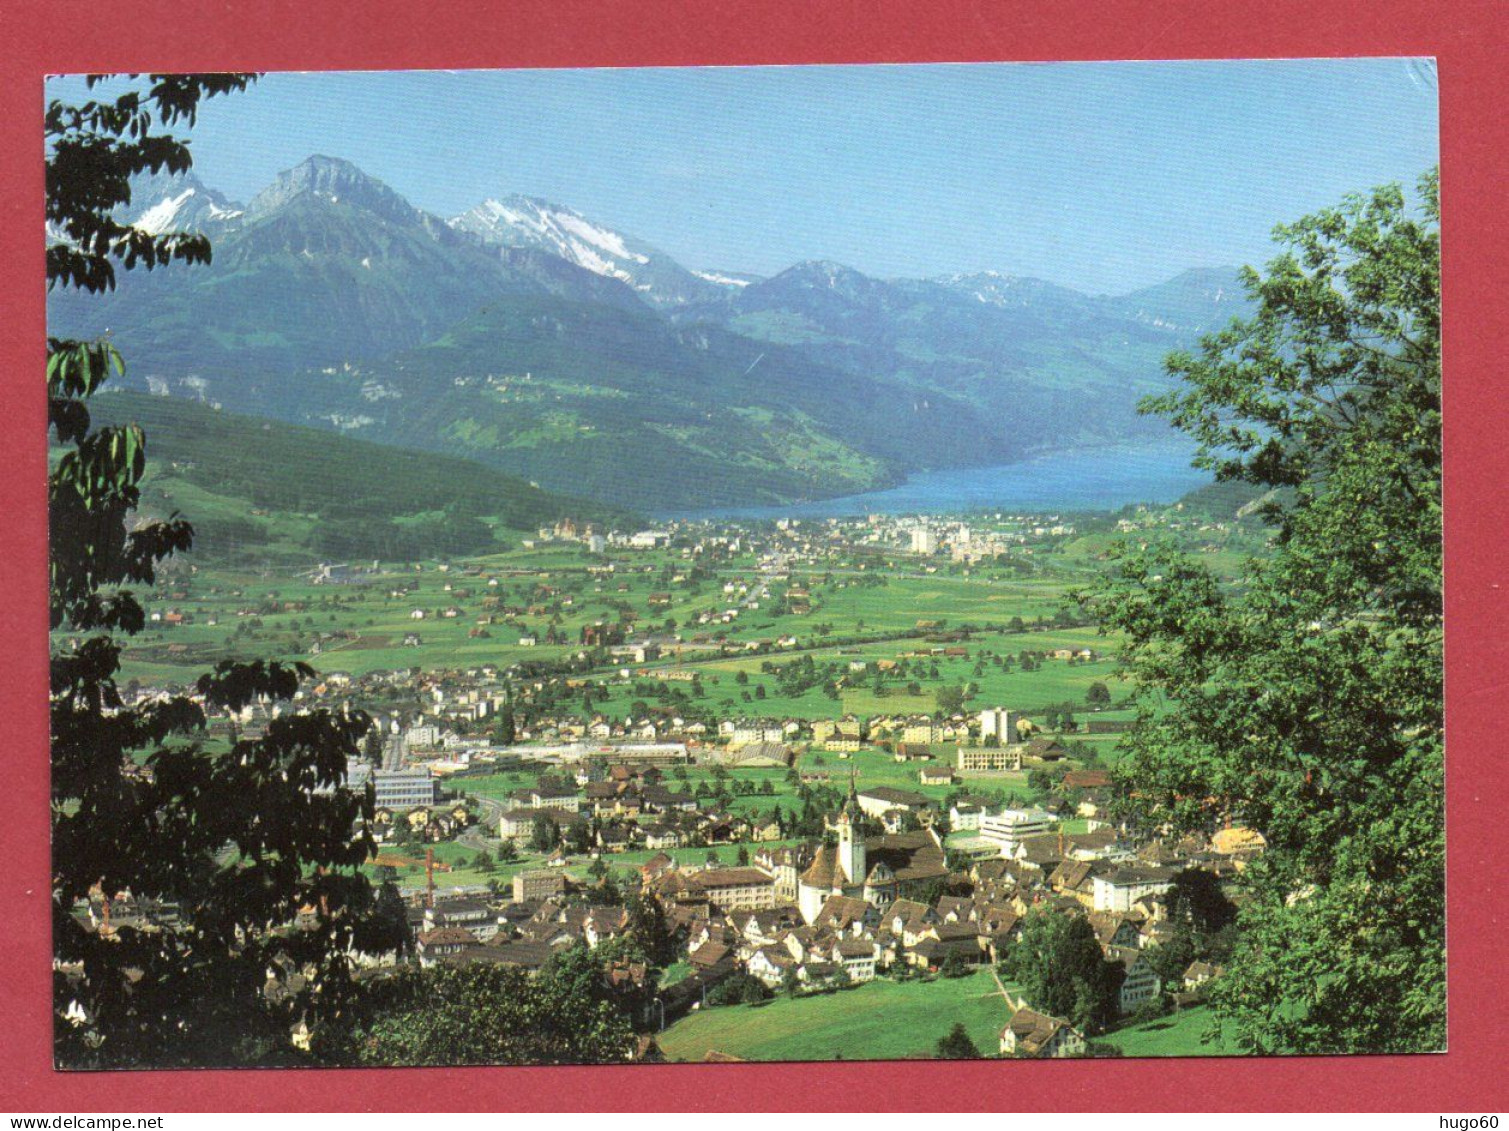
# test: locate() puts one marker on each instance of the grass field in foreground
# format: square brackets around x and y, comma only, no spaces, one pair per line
[1175,1035]
[880,1020]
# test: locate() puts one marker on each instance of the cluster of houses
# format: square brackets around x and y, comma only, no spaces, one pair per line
[865,906]
[630,808]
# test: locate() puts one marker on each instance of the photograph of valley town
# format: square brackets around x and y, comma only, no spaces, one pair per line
[745,564]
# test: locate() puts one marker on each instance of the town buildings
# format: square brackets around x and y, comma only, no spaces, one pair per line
[877,870]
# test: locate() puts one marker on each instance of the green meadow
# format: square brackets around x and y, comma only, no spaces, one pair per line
[879,1020]
[1179,1034]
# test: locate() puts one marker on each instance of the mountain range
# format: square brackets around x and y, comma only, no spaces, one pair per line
[524,336]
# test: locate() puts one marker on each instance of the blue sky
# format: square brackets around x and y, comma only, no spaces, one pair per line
[1100,176]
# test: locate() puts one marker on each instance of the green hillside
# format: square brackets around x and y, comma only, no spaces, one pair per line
[260,490]
[616,403]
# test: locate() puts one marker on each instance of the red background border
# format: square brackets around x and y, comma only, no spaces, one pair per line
[1468,39]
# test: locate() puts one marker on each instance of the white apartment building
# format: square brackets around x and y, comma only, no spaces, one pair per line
[999,723]
[1010,827]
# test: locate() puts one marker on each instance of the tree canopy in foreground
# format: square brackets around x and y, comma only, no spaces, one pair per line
[246,846]
[1306,701]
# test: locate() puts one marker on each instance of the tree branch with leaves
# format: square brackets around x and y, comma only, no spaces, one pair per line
[252,842]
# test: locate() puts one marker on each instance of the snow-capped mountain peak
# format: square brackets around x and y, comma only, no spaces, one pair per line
[175,213]
[527,221]
[169,202]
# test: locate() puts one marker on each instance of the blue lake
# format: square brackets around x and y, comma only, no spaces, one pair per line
[1083,479]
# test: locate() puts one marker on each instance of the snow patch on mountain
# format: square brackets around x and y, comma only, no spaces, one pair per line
[522,221]
[722,280]
[528,222]
[159,218]
[995,288]
[611,242]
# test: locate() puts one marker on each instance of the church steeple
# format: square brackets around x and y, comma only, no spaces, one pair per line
[851,841]
[851,810]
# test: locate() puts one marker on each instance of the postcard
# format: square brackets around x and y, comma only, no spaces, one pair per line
[801,563]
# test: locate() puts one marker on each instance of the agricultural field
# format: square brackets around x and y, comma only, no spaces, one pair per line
[485,610]
[879,1020]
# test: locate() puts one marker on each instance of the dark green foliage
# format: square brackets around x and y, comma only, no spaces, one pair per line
[485,1014]
[95,149]
[506,730]
[544,836]
[1307,702]
[583,973]
[390,920]
[241,840]
[957,1045]
[954,965]
[791,982]
[650,929]
[1204,926]
[951,699]
[1059,965]
[738,989]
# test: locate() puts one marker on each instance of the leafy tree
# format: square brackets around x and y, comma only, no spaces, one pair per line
[1098,696]
[578,838]
[582,972]
[739,989]
[957,1045]
[651,929]
[1059,965]
[1306,703]
[484,1014]
[1201,917]
[390,921]
[950,700]
[543,835]
[195,992]
[954,965]
[506,731]
[791,982]
[606,892]
[1197,902]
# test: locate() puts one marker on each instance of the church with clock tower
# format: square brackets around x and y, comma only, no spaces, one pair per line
[876,869]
